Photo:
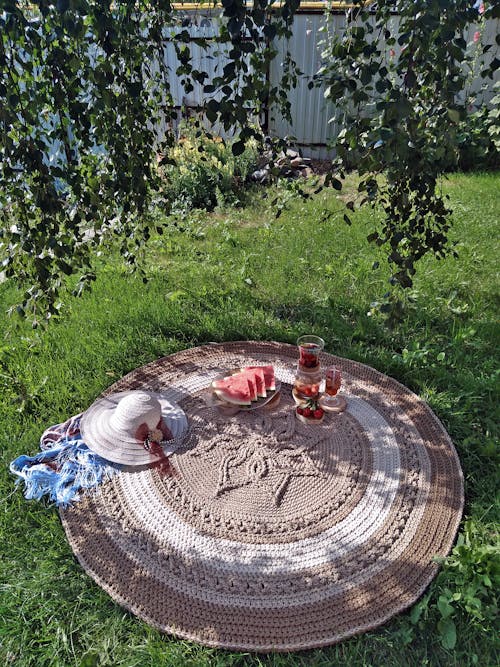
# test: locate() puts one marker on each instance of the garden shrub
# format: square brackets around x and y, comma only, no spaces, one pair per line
[475,144]
[203,172]
[466,586]
[478,137]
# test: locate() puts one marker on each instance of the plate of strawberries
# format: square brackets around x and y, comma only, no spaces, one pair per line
[310,412]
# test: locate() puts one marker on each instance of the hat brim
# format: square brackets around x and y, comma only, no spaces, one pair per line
[98,435]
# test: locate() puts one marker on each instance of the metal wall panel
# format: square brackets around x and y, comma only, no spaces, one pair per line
[310,111]
[479,88]
[310,128]
[210,59]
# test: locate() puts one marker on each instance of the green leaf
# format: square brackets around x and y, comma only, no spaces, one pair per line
[448,633]
[444,606]
[417,611]
[386,133]
[335,183]
[176,295]
[453,115]
[238,148]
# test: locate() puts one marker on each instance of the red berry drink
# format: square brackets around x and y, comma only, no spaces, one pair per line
[306,388]
[309,349]
[333,381]
[330,401]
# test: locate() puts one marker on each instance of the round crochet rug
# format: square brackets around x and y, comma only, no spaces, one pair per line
[271,534]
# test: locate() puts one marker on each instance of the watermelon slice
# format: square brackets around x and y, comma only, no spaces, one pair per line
[252,383]
[257,375]
[268,376]
[233,389]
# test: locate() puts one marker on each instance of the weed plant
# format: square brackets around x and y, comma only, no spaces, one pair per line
[204,173]
[244,274]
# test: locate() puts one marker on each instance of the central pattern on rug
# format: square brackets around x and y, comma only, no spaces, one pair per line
[260,476]
[262,455]
[273,534]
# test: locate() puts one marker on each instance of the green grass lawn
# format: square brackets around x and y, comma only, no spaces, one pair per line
[242,274]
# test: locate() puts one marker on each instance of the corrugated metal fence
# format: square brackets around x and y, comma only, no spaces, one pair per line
[310,127]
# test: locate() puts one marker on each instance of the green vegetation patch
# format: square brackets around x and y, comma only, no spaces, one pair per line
[243,274]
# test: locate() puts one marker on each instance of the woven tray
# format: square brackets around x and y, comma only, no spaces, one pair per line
[273,534]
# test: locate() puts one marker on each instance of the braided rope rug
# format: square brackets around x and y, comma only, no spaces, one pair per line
[274,534]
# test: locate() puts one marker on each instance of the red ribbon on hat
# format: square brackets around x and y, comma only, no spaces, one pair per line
[153,442]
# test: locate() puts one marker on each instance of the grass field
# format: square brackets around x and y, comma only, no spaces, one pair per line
[242,274]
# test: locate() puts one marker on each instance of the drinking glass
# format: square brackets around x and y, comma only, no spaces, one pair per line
[309,350]
[333,382]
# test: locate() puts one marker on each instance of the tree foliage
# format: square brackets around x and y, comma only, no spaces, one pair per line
[397,81]
[84,85]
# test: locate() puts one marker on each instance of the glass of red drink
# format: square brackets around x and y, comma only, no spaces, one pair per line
[307,383]
[309,350]
[333,382]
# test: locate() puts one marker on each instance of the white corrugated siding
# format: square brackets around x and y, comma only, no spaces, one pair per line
[210,58]
[310,112]
[309,127]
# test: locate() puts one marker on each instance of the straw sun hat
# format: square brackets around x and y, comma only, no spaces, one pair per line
[116,426]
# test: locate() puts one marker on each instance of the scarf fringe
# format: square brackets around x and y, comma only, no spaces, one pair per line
[63,467]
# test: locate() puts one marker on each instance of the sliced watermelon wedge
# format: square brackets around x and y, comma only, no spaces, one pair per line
[256,375]
[251,383]
[233,389]
[268,375]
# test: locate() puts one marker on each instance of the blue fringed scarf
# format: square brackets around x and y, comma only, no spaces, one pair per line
[64,466]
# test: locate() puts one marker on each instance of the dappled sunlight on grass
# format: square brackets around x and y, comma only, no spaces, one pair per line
[247,275]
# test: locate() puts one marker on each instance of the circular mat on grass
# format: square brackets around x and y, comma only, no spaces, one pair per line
[271,534]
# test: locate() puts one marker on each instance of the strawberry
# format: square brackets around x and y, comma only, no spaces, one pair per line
[300,411]
[318,413]
[307,412]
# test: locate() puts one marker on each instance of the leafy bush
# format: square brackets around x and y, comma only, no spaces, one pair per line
[465,588]
[203,172]
[476,144]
